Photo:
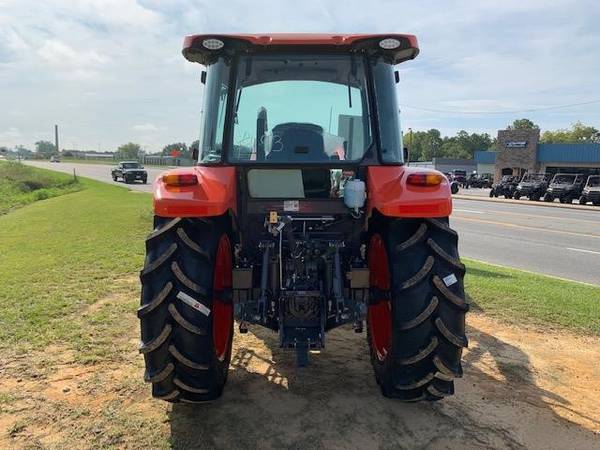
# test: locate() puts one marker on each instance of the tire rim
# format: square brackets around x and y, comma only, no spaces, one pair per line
[222,309]
[379,315]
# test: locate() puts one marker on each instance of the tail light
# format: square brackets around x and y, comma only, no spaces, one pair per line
[182,179]
[425,179]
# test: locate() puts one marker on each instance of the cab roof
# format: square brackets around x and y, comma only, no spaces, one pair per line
[201,48]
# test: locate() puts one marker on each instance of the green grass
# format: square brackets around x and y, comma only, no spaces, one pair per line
[522,297]
[21,185]
[65,253]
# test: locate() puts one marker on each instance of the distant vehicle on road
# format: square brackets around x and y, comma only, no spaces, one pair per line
[55,159]
[506,187]
[533,186]
[591,191]
[460,176]
[566,187]
[130,171]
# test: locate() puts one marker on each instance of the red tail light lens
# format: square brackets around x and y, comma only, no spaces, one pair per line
[424,179]
[182,179]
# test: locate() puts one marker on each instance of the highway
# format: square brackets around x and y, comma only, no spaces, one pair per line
[557,241]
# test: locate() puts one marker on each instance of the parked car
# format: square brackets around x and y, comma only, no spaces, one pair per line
[565,186]
[130,171]
[506,187]
[55,159]
[532,185]
[591,191]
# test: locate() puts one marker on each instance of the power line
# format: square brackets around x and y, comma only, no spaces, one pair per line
[546,108]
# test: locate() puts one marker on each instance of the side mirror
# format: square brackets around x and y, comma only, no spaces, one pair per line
[203,77]
[195,152]
[406,155]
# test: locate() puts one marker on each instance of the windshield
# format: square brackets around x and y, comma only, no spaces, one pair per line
[131,165]
[530,177]
[593,182]
[296,108]
[564,179]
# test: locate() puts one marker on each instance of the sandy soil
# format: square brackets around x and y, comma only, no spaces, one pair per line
[523,388]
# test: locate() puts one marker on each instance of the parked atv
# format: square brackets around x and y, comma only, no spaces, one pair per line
[565,186]
[300,224]
[506,187]
[533,186]
[483,181]
[591,191]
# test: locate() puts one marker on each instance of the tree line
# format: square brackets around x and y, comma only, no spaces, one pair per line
[425,145]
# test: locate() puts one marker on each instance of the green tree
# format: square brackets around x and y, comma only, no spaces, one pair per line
[579,133]
[45,148]
[522,124]
[179,146]
[129,151]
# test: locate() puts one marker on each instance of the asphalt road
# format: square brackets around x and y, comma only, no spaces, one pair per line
[100,172]
[555,241]
[551,240]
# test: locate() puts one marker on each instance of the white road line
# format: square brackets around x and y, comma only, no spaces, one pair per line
[582,250]
[469,211]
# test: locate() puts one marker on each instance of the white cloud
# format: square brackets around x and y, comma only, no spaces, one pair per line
[117,62]
[145,127]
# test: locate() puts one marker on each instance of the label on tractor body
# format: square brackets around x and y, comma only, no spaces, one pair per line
[193,303]
[450,280]
[291,205]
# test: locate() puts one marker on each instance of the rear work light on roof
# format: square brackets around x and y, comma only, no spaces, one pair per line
[184,179]
[424,179]
[213,44]
[389,44]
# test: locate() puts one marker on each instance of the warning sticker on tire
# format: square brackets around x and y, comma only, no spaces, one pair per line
[193,303]
[450,280]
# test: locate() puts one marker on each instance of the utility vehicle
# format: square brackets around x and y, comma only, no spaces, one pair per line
[532,185]
[483,181]
[565,186]
[506,187]
[129,171]
[591,191]
[301,216]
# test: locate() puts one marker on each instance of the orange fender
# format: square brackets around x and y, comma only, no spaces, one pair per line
[389,193]
[214,195]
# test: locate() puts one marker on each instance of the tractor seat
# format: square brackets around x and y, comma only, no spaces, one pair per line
[303,142]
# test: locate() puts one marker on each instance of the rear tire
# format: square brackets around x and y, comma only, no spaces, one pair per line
[517,196]
[548,198]
[416,317]
[186,312]
[582,200]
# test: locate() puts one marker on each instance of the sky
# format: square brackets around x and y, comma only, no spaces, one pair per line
[110,71]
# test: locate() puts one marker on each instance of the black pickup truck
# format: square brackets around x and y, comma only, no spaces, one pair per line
[130,171]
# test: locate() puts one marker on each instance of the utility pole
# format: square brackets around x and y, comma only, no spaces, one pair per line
[56,138]
[409,143]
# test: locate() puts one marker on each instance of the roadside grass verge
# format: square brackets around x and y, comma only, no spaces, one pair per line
[21,185]
[63,254]
[516,296]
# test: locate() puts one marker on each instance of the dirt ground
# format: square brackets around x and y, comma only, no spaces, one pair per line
[523,388]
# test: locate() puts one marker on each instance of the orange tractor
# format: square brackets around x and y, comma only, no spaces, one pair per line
[301,216]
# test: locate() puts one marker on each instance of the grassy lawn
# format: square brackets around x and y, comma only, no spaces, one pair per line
[522,297]
[21,184]
[63,254]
